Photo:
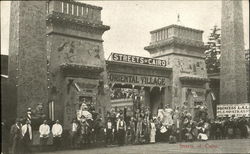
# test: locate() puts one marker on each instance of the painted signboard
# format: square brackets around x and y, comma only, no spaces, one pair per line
[138,79]
[233,109]
[138,60]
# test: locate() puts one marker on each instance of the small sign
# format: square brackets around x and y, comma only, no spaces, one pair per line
[138,60]
[233,109]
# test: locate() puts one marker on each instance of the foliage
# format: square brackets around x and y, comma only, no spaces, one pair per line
[213,53]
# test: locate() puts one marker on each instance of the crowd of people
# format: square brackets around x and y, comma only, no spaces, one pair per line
[118,128]
[172,125]
[21,136]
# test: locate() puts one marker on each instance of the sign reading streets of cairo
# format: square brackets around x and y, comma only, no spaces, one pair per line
[138,60]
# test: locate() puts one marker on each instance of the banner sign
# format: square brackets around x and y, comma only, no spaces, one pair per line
[138,60]
[233,109]
[138,79]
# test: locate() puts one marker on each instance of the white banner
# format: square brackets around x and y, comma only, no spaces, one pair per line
[233,109]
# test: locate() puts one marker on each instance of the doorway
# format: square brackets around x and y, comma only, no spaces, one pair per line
[156,99]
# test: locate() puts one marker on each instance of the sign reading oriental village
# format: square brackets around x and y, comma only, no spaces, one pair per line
[134,79]
[137,79]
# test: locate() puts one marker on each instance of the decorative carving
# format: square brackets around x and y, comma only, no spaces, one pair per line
[61,47]
[72,46]
[68,48]
[79,52]
[69,85]
[77,23]
[94,52]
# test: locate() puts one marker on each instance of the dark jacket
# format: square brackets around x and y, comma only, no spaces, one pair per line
[15,133]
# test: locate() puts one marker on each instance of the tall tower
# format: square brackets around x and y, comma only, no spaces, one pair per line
[27,55]
[75,56]
[233,86]
[183,49]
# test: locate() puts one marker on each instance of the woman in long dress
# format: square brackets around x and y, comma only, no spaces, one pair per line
[138,130]
[168,113]
[152,131]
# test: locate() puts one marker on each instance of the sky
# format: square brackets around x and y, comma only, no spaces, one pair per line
[131,21]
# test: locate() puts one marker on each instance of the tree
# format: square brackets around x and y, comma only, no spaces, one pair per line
[213,53]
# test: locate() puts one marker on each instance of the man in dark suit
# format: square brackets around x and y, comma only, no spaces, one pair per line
[5,137]
[109,129]
[15,137]
[121,128]
[27,137]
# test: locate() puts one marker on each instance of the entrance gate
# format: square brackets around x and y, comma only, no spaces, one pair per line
[151,80]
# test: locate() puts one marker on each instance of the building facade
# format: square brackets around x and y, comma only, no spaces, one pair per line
[75,59]
[70,66]
[183,48]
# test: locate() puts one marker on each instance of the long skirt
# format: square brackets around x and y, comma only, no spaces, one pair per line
[121,136]
[152,136]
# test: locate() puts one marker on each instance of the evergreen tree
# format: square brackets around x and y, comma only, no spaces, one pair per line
[213,53]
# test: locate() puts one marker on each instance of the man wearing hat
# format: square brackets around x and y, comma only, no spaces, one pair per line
[28,115]
[16,136]
[44,131]
[27,137]
[57,134]
[109,129]
[121,128]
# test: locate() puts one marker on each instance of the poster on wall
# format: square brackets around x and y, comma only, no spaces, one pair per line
[233,109]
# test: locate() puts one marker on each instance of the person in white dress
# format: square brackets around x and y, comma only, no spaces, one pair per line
[82,114]
[168,113]
[152,131]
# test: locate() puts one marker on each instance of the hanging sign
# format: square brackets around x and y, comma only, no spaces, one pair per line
[233,109]
[138,60]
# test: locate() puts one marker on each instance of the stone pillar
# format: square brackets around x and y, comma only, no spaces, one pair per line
[27,55]
[233,84]
[147,96]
